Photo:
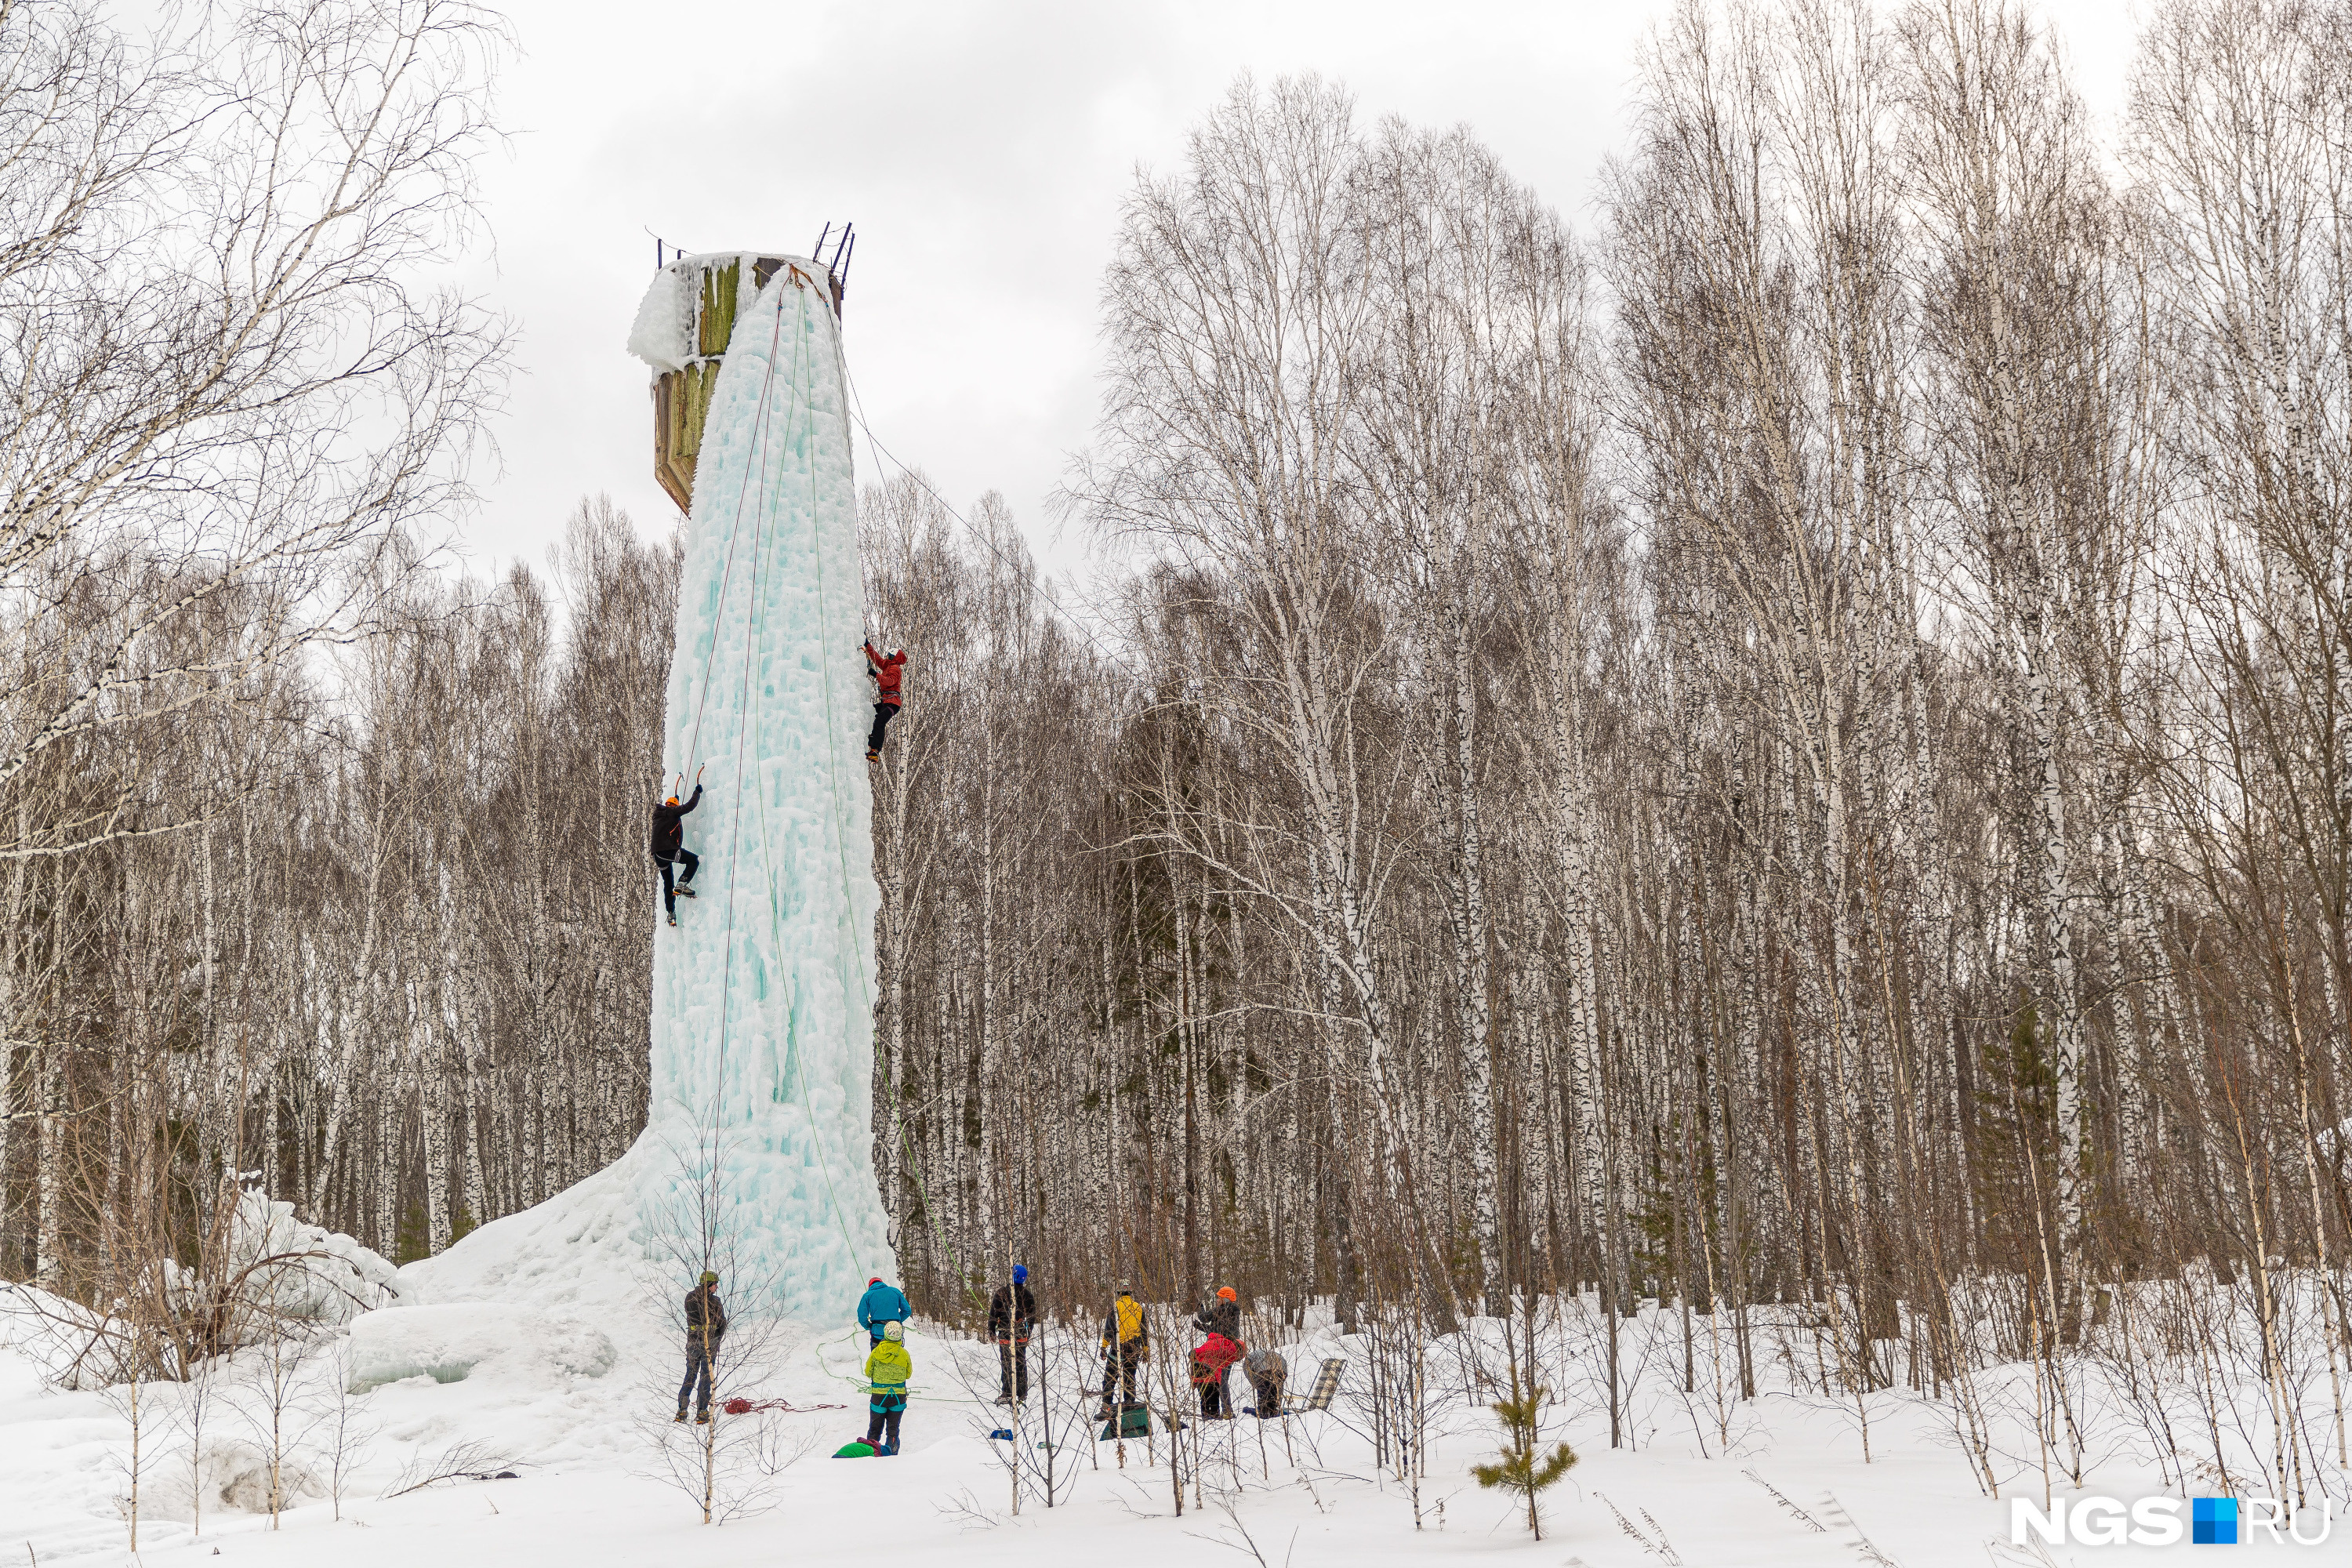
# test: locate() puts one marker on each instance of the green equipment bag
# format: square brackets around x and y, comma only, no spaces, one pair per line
[1132,1421]
[860,1449]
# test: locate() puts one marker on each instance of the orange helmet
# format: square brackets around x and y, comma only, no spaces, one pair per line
[1227,1293]
[671,800]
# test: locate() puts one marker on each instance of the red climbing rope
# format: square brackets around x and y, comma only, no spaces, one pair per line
[741,1407]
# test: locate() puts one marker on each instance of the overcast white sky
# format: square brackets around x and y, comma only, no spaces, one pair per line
[983,150]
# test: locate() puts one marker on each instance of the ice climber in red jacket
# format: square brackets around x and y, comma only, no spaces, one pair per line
[886,672]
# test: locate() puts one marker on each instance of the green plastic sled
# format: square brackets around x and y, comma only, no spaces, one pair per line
[1132,1421]
[860,1449]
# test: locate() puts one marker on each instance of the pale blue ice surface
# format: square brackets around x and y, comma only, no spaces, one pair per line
[761,1103]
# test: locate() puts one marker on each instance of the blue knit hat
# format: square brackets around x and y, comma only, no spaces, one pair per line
[1020,1274]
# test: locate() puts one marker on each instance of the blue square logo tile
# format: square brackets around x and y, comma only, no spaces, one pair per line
[2213,1521]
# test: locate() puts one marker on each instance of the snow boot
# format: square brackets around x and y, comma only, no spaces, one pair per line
[873,756]
[673,917]
[702,1418]
[684,891]
[681,1414]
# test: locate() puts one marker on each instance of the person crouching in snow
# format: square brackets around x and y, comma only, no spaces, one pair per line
[705,1321]
[1266,1371]
[1211,1359]
[886,1371]
[886,672]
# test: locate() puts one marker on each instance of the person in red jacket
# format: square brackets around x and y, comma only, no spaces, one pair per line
[885,673]
[1211,1359]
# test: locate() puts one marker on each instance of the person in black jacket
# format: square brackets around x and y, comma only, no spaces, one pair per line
[1011,1318]
[1222,1314]
[705,1322]
[669,845]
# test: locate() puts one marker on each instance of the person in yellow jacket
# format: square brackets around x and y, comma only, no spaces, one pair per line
[1126,1341]
[886,1371]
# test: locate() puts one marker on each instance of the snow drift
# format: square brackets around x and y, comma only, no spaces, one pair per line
[452,1342]
[302,1271]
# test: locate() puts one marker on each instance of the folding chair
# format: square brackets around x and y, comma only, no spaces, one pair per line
[1327,1384]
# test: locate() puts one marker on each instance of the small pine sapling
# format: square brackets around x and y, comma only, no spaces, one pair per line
[1521,1468]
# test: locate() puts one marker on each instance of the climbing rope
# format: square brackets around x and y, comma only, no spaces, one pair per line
[862,1387]
[841,843]
[762,567]
[765,445]
[881,451]
[914,1160]
[735,797]
[761,564]
[735,529]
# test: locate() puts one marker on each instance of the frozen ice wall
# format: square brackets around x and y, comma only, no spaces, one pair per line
[760,1123]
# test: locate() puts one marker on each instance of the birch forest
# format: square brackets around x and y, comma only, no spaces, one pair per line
[1778,755]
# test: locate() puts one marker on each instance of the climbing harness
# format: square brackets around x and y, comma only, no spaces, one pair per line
[862,1387]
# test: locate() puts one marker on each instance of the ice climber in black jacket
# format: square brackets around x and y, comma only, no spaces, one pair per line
[669,847]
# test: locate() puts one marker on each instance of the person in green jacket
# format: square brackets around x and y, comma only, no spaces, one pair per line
[886,1371]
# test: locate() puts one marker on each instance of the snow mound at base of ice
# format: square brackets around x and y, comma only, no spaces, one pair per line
[452,1343]
[277,1269]
[581,1250]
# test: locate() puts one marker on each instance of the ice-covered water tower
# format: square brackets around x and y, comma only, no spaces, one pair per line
[760,1124]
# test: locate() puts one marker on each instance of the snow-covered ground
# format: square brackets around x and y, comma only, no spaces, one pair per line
[510,1404]
[588,1492]
[578,1411]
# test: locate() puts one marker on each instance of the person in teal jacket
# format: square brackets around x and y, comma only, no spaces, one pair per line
[886,1371]
[881,1304]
